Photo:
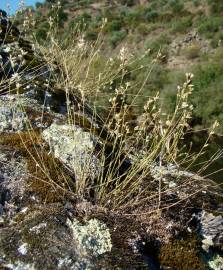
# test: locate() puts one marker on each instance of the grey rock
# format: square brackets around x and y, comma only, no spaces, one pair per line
[211,230]
[44,240]
[91,238]
[170,174]
[75,148]
[13,172]
[11,119]
[24,112]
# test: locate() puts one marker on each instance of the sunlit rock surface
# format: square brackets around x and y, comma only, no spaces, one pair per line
[75,148]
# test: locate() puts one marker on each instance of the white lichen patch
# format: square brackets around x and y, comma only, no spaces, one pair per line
[20,266]
[74,147]
[38,228]
[216,263]
[24,210]
[66,263]
[91,238]
[23,249]
[170,174]
[207,242]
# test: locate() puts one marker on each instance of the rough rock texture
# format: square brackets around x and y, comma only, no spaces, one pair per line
[23,112]
[40,239]
[75,148]
[216,262]
[91,238]
[12,181]
[211,230]
[169,174]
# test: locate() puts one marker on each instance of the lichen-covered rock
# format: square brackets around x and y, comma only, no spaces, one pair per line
[40,239]
[24,112]
[216,262]
[11,119]
[75,148]
[211,230]
[44,245]
[170,174]
[13,174]
[91,238]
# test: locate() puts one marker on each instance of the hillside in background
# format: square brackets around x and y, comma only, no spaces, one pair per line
[188,34]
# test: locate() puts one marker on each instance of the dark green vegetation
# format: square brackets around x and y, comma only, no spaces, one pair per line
[188,33]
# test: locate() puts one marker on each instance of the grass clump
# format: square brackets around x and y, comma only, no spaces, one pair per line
[192,51]
[177,6]
[181,25]
[210,26]
[130,139]
[122,181]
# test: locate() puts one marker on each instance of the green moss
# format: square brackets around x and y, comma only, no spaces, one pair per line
[181,254]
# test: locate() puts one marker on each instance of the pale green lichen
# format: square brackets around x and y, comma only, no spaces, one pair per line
[74,147]
[20,266]
[216,263]
[92,238]
[23,249]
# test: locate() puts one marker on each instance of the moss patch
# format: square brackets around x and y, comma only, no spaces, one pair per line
[48,178]
[181,254]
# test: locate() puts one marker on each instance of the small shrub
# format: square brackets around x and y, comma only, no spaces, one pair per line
[182,25]
[158,43]
[91,35]
[128,3]
[217,40]
[114,25]
[81,22]
[210,25]
[152,16]
[216,6]
[42,30]
[196,3]
[39,5]
[62,17]
[132,18]
[177,6]
[38,14]
[166,17]
[117,37]
[143,29]
[193,51]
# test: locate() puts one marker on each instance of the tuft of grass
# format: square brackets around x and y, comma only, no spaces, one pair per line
[128,144]
[193,51]
[125,178]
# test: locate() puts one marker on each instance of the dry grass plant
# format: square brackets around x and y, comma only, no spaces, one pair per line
[153,138]
[134,146]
